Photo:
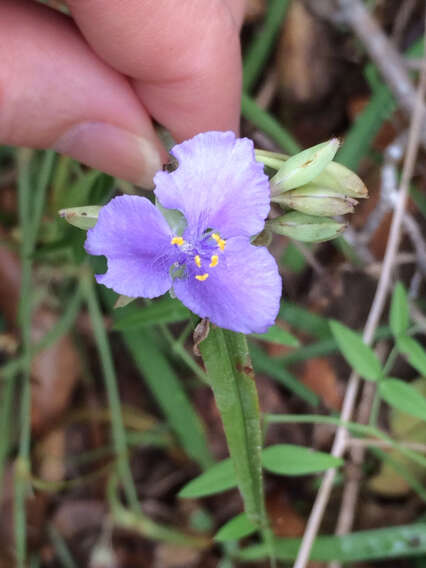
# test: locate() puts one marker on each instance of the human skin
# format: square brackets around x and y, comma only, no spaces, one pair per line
[91,85]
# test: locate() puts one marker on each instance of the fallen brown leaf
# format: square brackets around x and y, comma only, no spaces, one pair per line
[285,520]
[55,372]
[319,375]
[304,39]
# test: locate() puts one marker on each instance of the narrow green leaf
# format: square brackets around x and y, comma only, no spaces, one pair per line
[399,311]
[361,357]
[283,459]
[235,529]
[288,459]
[394,542]
[228,365]
[404,397]
[81,217]
[415,353]
[277,334]
[220,477]
[165,310]
[169,394]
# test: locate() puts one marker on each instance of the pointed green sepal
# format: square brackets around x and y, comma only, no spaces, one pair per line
[81,217]
[304,166]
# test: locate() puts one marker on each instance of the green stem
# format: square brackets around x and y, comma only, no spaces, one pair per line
[7,394]
[375,407]
[22,466]
[62,551]
[150,529]
[40,192]
[118,430]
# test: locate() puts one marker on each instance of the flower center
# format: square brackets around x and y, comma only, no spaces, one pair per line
[205,253]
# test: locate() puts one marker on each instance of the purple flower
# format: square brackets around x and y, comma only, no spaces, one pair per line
[223,195]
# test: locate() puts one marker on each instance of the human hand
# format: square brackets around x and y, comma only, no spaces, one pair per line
[90,87]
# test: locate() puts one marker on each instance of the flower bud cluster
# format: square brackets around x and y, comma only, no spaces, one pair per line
[311,188]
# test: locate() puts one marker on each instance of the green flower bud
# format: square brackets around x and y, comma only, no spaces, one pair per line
[314,200]
[340,179]
[81,217]
[303,167]
[307,228]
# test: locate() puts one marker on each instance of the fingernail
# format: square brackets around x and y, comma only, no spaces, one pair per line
[112,150]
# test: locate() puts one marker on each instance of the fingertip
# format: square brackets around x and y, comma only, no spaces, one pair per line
[55,92]
[115,150]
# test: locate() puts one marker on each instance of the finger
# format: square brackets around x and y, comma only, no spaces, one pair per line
[184,57]
[55,92]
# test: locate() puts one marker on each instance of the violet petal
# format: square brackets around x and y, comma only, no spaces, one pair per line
[135,238]
[218,184]
[241,293]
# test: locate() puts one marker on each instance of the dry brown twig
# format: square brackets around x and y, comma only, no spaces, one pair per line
[373,443]
[383,53]
[382,50]
[341,438]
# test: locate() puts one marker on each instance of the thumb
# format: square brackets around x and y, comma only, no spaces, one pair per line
[56,93]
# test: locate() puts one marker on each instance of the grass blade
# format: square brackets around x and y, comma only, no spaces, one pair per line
[169,394]
[118,430]
[395,542]
[269,125]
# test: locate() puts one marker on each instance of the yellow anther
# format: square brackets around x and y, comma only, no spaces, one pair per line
[177,241]
[202,277]
[220,242]
[214,261]
[197,260]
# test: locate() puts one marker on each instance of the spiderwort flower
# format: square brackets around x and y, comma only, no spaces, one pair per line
[213,269]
